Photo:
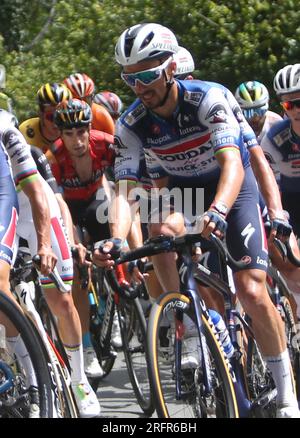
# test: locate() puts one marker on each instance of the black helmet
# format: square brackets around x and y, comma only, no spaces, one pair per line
[73,114]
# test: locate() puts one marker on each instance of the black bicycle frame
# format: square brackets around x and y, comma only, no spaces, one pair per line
[188,286]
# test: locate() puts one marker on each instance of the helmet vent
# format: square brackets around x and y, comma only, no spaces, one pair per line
[147,40]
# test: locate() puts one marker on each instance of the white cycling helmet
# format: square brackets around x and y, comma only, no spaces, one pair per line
[184,62]
[144,42]
[287,80]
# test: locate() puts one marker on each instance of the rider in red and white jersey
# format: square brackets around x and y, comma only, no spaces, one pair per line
[43,229]
[82,156]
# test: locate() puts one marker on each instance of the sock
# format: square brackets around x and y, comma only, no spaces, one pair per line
[86,340]
[17,347]
[190,327]
[75,356]
[281,373]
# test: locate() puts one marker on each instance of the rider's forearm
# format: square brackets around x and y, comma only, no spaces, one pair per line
[120,214]
[231,178]
[267,183]
[66,217]
[135,236]
[40,213]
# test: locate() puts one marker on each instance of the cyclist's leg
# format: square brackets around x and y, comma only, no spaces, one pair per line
[62,306]
[252,292]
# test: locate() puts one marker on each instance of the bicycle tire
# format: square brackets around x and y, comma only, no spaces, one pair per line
[292,338]
[106,355]
[134,346]
[162,371]
[67,407]
[259,382]
[32,343]
[50,326]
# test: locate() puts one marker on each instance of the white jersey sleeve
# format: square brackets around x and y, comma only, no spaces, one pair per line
[23,165]
[272,155]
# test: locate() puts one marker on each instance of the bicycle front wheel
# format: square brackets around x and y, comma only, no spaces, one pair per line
[135,351]
[192,401]
[14,398]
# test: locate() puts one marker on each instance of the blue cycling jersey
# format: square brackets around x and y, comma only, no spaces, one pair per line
[206,121]
[282,148]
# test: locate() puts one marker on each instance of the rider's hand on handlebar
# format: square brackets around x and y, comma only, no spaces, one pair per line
[133,269]
[281,229]
[47,260]
[81,252]
[105,251]
[211,222]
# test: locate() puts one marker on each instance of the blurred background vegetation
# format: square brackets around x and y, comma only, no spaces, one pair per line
[231,40]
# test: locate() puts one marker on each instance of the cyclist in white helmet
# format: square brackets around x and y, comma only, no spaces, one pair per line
[185,64]
[253,98]
[190,136]
[281,145]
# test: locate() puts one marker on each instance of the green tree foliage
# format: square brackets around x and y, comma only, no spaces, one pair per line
[231,40]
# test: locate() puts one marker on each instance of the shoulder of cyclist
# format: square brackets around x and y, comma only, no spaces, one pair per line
[101,145]
[44,167]
[30,129]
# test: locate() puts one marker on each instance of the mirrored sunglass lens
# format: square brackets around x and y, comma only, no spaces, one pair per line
[290,104]
[149,76]
[146,77]
[287,105]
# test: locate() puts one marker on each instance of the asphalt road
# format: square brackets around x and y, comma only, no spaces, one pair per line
[116,395]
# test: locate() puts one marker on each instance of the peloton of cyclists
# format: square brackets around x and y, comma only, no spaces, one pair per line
[43,229]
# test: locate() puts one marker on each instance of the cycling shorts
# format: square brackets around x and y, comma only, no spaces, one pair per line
[59,240]
[245,236]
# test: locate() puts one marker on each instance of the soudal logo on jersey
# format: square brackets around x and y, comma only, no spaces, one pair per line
[184,155]
[185,151]
[217,114]
[193,97]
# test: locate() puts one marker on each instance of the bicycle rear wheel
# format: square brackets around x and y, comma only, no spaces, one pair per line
[261,387]
[292,339]
[193,401]
[106,354]
[49,322]
[135,351]
[64,403]
[15,400]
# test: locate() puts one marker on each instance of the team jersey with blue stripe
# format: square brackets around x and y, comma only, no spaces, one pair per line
[206,122]
[282,149]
